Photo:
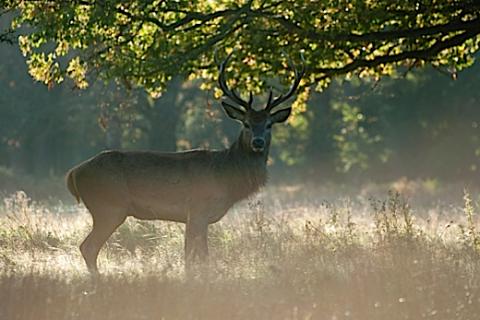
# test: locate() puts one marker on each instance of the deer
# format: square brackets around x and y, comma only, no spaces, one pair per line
[195,187]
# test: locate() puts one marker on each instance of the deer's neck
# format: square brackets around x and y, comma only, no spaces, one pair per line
[248,169]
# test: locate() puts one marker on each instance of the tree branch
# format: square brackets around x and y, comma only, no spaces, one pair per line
[292,27]
[422,54]
[189,17]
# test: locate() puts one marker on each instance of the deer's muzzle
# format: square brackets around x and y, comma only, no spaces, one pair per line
[258,144]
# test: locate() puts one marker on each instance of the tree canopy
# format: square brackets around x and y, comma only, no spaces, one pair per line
[146,43]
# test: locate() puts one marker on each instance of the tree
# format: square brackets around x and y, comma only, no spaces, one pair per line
[6,32]
[146,43]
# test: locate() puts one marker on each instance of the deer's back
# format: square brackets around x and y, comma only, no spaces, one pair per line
[155,185]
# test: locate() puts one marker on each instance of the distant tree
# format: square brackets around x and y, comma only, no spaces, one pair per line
[146,43]
[6,32]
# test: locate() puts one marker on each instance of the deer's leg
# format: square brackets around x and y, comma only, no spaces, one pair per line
[196,243]
[103,227]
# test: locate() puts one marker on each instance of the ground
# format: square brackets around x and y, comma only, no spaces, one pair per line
[271,257]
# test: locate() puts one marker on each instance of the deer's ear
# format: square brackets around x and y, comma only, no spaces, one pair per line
[233,112]
[281,115]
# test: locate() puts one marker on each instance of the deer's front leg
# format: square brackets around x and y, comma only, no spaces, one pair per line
[196,245]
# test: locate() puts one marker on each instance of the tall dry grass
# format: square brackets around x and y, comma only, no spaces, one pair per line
[360,259]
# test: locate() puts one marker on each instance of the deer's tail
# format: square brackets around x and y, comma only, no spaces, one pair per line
[72,185]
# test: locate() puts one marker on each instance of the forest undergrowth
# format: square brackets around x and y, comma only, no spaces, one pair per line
[269,259]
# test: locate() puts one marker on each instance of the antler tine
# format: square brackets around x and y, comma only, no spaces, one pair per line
[270,96]
[231,93]
[283,97]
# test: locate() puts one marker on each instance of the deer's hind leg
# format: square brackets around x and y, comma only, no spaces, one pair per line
[105,222]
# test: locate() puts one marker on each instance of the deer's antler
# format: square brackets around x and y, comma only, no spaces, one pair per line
[273,102]
[231,93]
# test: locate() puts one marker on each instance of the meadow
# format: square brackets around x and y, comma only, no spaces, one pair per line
[275,256]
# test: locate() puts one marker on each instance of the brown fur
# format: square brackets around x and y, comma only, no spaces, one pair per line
[70,179]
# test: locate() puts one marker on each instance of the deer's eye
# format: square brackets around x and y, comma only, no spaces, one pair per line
[246,125]
[269,126]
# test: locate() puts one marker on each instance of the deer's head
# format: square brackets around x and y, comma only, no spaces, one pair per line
[257,124]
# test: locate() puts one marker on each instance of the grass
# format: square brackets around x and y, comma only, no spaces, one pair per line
[344,259]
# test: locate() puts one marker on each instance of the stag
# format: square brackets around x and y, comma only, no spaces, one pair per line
[195,187]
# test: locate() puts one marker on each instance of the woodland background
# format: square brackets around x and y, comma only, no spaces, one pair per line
[391,90]
[422,125]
